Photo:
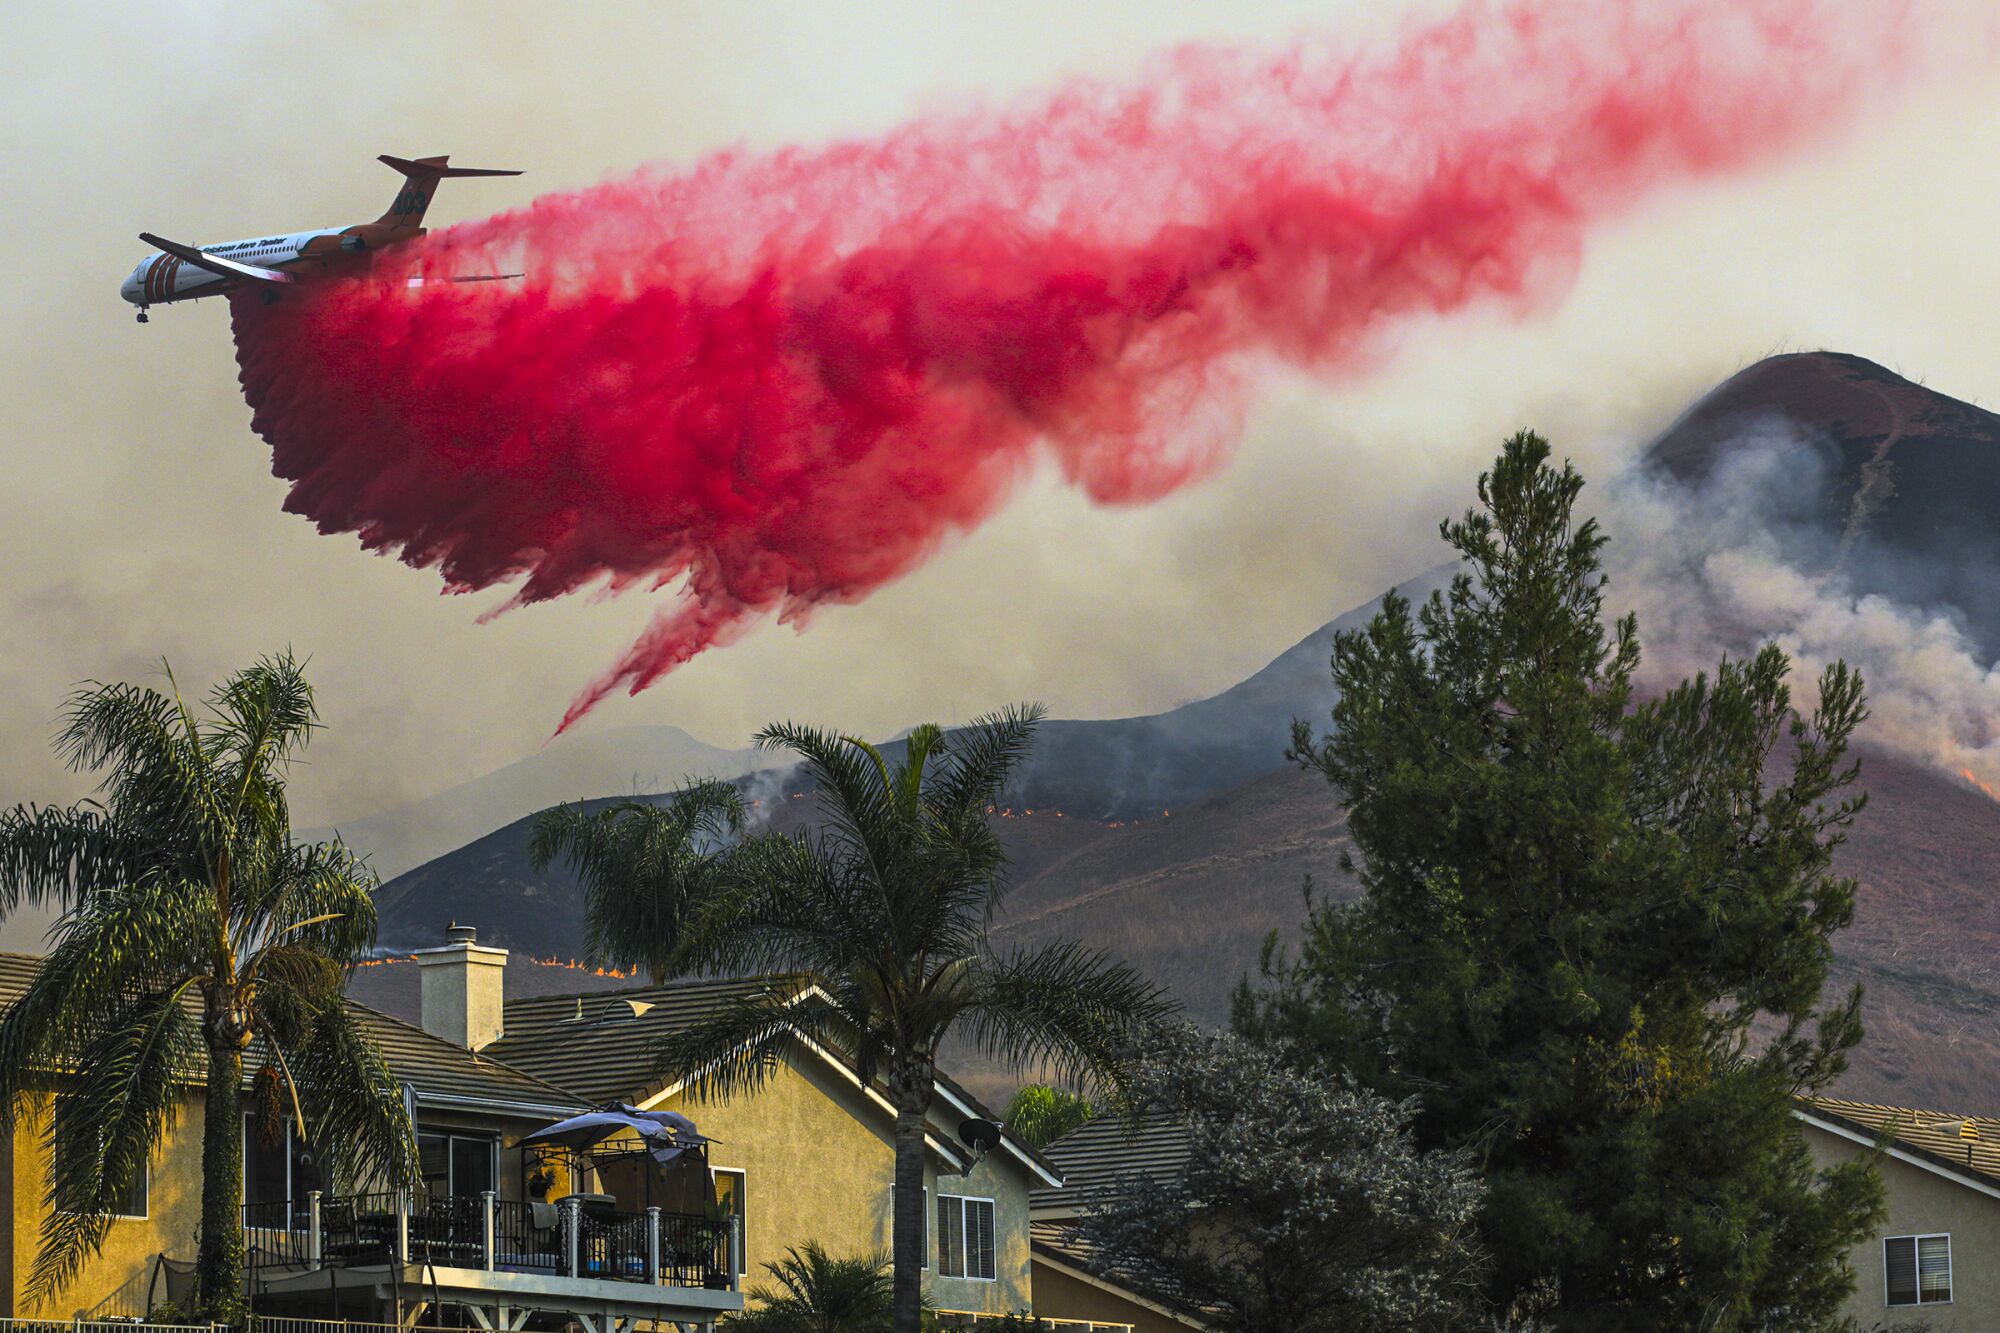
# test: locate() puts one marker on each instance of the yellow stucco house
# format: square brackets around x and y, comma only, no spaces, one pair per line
[503,1237]
[810,1156]
[1935,1261]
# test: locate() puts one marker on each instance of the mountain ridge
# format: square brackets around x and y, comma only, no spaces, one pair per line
[1180,840]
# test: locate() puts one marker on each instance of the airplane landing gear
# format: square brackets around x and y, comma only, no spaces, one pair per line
[142,317]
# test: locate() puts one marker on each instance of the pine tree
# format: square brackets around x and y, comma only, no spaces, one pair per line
[1594,932]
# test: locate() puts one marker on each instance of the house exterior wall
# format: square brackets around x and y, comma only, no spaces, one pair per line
[819,1160]
[1922,1202]
[115,1278]
[1058,1295]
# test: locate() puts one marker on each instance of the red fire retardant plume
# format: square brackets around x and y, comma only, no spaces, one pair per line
[783,379]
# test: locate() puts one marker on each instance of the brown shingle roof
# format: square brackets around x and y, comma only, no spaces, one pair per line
[1057,1241]
[1934,1135]
[1100,1152]
[435,1068]
[442,1070]
[601,1044]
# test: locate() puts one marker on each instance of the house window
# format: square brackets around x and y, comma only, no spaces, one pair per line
[134,1201]
[730,1183]
[457,1164]
[965,1237]
[1917,1269]
[277,1164]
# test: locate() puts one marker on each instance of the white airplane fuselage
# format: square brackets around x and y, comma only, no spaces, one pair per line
[161,278]
[175,272]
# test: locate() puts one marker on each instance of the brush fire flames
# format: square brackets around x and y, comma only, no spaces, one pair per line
[566,964]
[780,380]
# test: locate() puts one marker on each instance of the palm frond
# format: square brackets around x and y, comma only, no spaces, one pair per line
[124,1097]
[320,896]
[52,855]
[90,977]
[265,713]
[354,1110]
[850,777]
[737,1048]
[780,906]
[159,778]
[817,1293]
[1065,1004]
[644,868]
[984,755]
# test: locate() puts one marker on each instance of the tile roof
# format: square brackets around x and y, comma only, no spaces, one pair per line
[441,1070]
[437,1069]
[1100,1152]
[1059,1242]
[600,1044]
[1937,1136]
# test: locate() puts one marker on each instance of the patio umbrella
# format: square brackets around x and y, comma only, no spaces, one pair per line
[666,1134]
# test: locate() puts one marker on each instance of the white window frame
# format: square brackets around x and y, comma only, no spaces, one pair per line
[742,1175]
[145,1172]
[965,1254]
[1917,1240]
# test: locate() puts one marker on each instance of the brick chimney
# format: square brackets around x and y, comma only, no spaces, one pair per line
[463,987]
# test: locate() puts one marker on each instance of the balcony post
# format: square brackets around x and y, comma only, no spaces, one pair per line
[572,1215]
[653,1244]
[313,1248]
[402,1236]
[488,1206]
[736,1251]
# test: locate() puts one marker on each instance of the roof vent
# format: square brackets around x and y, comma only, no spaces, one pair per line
[457,934]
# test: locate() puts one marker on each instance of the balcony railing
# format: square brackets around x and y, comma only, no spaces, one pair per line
[481,1232]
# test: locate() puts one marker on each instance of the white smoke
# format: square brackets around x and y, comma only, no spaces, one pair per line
[1758,553]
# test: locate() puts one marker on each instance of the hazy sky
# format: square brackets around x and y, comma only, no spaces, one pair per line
[138,516]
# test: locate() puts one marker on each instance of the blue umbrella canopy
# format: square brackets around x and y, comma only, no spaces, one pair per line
[666,1134]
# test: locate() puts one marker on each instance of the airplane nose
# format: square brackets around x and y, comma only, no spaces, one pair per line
[129,289]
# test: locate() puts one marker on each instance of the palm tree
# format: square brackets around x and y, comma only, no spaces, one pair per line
[817,1293]
[1041,1114]
[643,867]
[192,927]
[879,921]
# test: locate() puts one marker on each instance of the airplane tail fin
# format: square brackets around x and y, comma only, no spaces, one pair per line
[420,180]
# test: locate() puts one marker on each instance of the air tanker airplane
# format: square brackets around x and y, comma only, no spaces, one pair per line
[176,272]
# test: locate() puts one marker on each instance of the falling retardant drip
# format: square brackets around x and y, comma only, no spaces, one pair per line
[782,379]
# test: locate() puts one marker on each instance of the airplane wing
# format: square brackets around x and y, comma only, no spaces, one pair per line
[228,268]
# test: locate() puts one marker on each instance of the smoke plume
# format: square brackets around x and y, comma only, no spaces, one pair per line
[1746,557]
[782,379]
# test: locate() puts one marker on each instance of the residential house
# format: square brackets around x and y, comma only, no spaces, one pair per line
[1935,1261]
[1094,1158]
[810,1155]
[472,1238]
[489,1238]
